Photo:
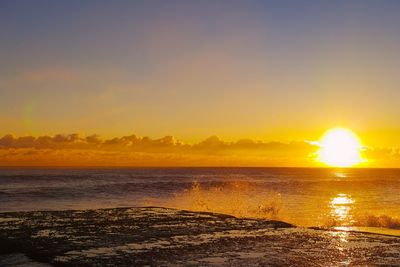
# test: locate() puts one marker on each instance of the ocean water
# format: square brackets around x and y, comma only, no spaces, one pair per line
[345,198]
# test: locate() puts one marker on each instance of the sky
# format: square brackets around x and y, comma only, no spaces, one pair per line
[267,71]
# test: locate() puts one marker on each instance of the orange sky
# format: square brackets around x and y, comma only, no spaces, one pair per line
[274,71]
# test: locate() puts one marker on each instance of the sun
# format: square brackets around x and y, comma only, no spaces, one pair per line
[339,147]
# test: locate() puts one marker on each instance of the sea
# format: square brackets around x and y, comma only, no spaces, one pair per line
[351,198]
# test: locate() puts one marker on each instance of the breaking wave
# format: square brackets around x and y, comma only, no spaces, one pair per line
[366,220]
[239,198]
[246,199]
[369,220]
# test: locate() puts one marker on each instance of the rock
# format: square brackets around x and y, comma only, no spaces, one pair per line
[163,237]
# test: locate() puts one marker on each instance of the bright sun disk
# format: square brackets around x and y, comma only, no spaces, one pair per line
[340,147]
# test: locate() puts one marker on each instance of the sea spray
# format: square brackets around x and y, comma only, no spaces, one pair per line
[364,220]
[238,198]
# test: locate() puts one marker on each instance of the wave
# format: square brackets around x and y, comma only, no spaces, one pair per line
[237,198]
[369,220]
[246,199]
[366,220]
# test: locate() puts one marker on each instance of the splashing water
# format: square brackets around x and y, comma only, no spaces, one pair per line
[369,220]
[239,199]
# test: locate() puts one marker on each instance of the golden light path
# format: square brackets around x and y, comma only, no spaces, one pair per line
[339,147]
[340,208]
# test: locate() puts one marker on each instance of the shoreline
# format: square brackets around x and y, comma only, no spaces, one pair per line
[162,236]
[347,228]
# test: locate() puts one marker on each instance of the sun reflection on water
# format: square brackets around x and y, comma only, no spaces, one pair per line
[342,234]
[341,206]
[340,174]
[340,210]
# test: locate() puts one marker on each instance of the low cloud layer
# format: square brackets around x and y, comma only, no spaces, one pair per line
[135,143]
[132,150]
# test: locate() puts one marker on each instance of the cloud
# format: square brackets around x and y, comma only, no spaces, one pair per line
[144,144]
[133,150]
[382,157]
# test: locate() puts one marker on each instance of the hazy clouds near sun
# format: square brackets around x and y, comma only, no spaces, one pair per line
[132,150]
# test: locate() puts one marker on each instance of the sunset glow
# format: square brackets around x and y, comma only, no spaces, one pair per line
[199,83]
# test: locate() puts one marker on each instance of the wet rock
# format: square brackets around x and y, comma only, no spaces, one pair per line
[19,260]
[166,237]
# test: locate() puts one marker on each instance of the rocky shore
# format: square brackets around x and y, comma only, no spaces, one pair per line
[167,237]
